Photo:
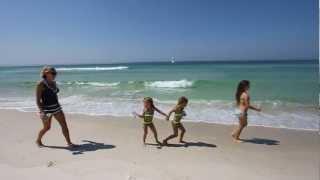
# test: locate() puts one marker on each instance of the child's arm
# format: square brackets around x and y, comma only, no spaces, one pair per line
[255,108]
[173,110]
[139,115]
[249,105]
[164,114]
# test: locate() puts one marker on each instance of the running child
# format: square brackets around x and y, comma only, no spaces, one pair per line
[147,116]
[179,113]
[243,105]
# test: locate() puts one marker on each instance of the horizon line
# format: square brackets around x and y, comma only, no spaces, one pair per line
[163,61]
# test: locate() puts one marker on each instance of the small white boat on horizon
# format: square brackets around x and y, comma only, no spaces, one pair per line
[173,60]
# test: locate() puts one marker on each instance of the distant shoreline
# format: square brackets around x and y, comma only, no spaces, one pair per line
[188,121]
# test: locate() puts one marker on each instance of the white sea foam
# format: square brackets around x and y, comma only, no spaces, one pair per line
[215,111]
[170,84]
[99,84]
[92,68]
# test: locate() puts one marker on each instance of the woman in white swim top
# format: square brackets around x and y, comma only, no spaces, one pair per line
[243,104]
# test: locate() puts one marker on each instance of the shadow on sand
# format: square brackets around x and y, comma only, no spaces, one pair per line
[88,146]
[192,144]
[269,142]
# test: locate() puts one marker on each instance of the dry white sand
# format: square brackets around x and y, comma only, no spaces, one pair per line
[111,148]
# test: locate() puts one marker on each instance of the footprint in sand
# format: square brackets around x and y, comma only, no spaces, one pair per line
[50,164]
[131,178]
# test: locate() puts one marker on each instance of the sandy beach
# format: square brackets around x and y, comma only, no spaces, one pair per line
[111,148]
[213,65]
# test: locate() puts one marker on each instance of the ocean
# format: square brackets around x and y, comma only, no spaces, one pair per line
[287,91]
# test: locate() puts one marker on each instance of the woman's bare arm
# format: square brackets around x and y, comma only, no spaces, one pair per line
[39,90]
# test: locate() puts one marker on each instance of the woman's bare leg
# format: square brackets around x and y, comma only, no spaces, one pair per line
[62,121]
[42,132]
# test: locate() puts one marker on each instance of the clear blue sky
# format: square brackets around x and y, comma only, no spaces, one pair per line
[104,31]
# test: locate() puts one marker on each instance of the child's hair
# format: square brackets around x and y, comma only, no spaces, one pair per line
[241,88]
[182,100]
[149,100]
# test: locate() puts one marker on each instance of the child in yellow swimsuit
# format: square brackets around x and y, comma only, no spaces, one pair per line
[147,116]
[178,111]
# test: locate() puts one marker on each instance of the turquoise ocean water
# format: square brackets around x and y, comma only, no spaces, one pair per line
[287,91]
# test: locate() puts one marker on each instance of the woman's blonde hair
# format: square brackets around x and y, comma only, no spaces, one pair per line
[47,69]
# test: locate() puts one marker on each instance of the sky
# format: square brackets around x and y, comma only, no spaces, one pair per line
[111,31]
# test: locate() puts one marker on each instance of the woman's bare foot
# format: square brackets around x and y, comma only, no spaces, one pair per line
[183,142]
[71,145]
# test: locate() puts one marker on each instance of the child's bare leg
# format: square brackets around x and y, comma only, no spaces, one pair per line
[153,129]
[183,130]
[145,132]
[242,124]
[235,131]
[233,134]
[174,135]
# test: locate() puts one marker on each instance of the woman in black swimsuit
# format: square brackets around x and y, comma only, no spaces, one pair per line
[48,104]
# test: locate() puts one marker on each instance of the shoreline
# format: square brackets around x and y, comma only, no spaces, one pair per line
[184,121]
